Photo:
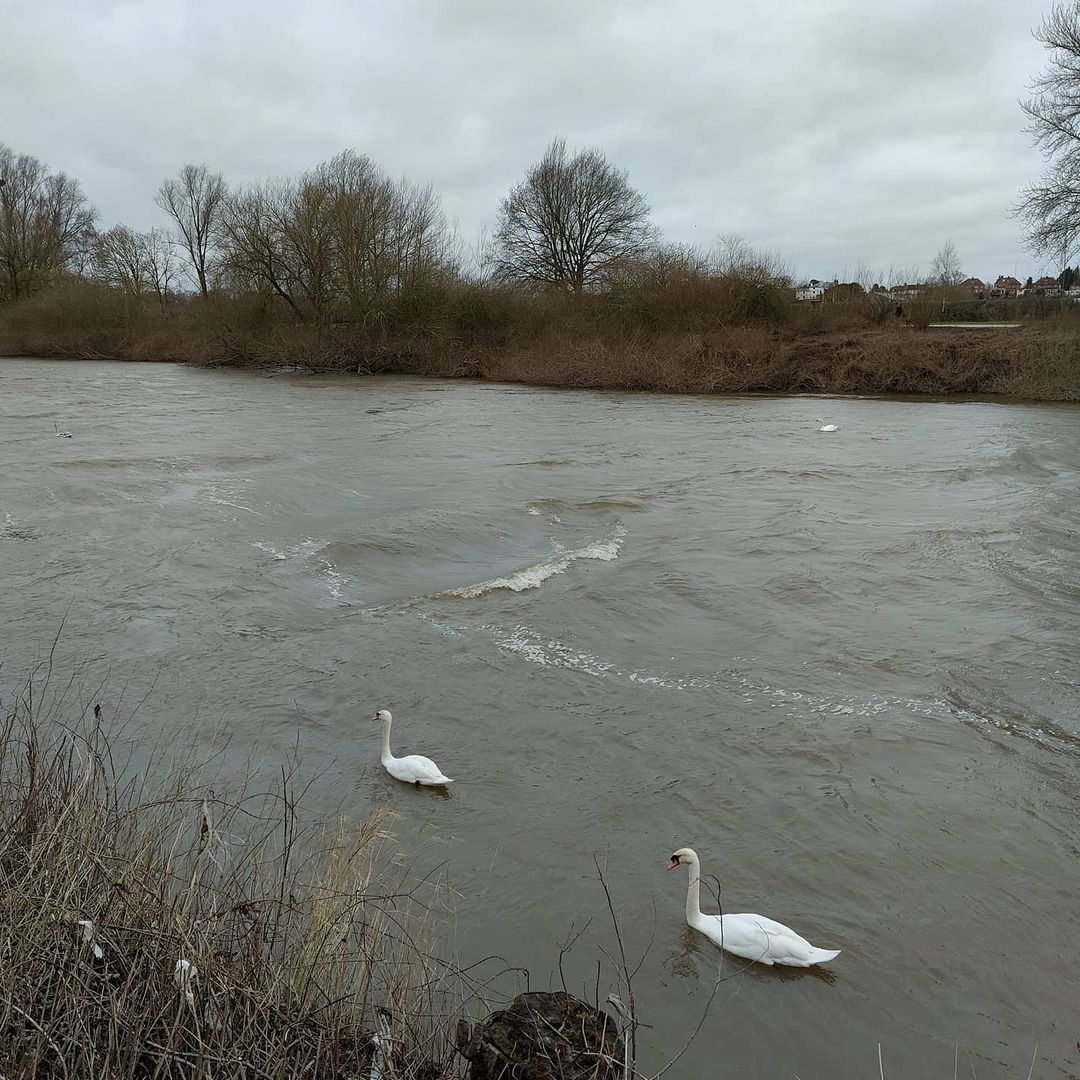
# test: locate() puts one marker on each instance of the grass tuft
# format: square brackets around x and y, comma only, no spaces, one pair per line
[155,930]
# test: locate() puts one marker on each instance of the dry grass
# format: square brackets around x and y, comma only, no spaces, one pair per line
[695,336]
[1038,364]
[108,881]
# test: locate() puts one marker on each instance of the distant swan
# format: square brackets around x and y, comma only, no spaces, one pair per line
[61,434]
[413,769]
[753,937]
[826,427]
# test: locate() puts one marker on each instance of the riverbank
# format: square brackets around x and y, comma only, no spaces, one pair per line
[1034,362]
[155,928]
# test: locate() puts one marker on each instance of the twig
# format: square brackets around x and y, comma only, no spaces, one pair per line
[628,977]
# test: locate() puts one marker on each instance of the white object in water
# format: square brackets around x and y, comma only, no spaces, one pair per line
[413,769]
[753,937]
[184,975]
[827,427]
[87,933]
[61,434]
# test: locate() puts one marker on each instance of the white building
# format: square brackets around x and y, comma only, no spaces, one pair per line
[813,290]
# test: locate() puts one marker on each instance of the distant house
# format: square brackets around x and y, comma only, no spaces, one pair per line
[1045,286]
[810,292]
[813,290]
[973,285]
[1006,286]
[907,292]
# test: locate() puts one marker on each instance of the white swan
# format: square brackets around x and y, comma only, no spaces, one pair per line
[413,769]
[827,427]
[753,937]
[60,434]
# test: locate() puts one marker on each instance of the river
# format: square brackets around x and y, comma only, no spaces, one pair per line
[843,667]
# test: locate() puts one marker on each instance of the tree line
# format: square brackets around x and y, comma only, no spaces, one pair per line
[334,242]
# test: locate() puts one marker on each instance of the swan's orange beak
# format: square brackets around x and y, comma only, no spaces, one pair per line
[674,864]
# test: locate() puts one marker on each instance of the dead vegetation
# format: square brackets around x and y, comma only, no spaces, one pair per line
[699,345]
[155,930]
[668,323]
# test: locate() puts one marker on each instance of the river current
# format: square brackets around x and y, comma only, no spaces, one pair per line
[842,667]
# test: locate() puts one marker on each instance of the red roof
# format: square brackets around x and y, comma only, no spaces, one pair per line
[1006,283]
[1046,283]
[972,283]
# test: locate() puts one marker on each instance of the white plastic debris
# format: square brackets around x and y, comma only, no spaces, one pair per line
[184,977]
[87,933]
[381,1042]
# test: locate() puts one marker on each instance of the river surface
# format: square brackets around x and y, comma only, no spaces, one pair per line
[843,667]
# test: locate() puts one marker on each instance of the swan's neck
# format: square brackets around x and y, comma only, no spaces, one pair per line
[693,893]
[386,754]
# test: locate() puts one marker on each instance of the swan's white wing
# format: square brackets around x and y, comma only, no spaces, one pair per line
[416,769]
[743,935]
[757,937]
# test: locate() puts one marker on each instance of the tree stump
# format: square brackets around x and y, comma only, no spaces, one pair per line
[543,1037]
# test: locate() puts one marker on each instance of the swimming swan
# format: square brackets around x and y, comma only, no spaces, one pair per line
[753,937]
[60,434]
[827,427]
[413,769]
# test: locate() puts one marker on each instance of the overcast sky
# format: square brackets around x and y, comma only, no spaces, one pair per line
[839,133]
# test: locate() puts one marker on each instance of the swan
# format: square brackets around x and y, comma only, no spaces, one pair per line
[413,769]
[753,937]
[827,427]
[60,434]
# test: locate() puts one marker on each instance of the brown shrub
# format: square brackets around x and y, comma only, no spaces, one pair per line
[689,332]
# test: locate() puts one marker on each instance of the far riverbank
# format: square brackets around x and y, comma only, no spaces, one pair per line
[1037,363]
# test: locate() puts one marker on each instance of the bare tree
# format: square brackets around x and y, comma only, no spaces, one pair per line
[1050,208]
[338,242]
[946,269]
[194,201]
[159,264]
[569,221]
[253,248]
[733,256]
[479,260]
[118,260]
[45,222]
[136,263]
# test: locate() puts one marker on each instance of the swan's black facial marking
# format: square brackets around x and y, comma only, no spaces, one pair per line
[674,862]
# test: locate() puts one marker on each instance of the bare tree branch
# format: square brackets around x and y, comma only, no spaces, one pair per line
[46,224]
[569,221]
[194,201]
[1049,209]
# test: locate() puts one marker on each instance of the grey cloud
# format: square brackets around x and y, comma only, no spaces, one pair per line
[837,132]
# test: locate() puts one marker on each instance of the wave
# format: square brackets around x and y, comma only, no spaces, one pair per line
[10,529]
[302,550]
[532,577]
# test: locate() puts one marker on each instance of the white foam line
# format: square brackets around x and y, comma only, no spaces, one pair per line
[532,577]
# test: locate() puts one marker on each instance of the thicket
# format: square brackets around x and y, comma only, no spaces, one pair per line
[343,268]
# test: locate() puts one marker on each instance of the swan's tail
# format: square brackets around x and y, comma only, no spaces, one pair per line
[823,956]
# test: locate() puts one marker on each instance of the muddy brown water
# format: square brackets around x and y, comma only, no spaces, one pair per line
[842,667]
